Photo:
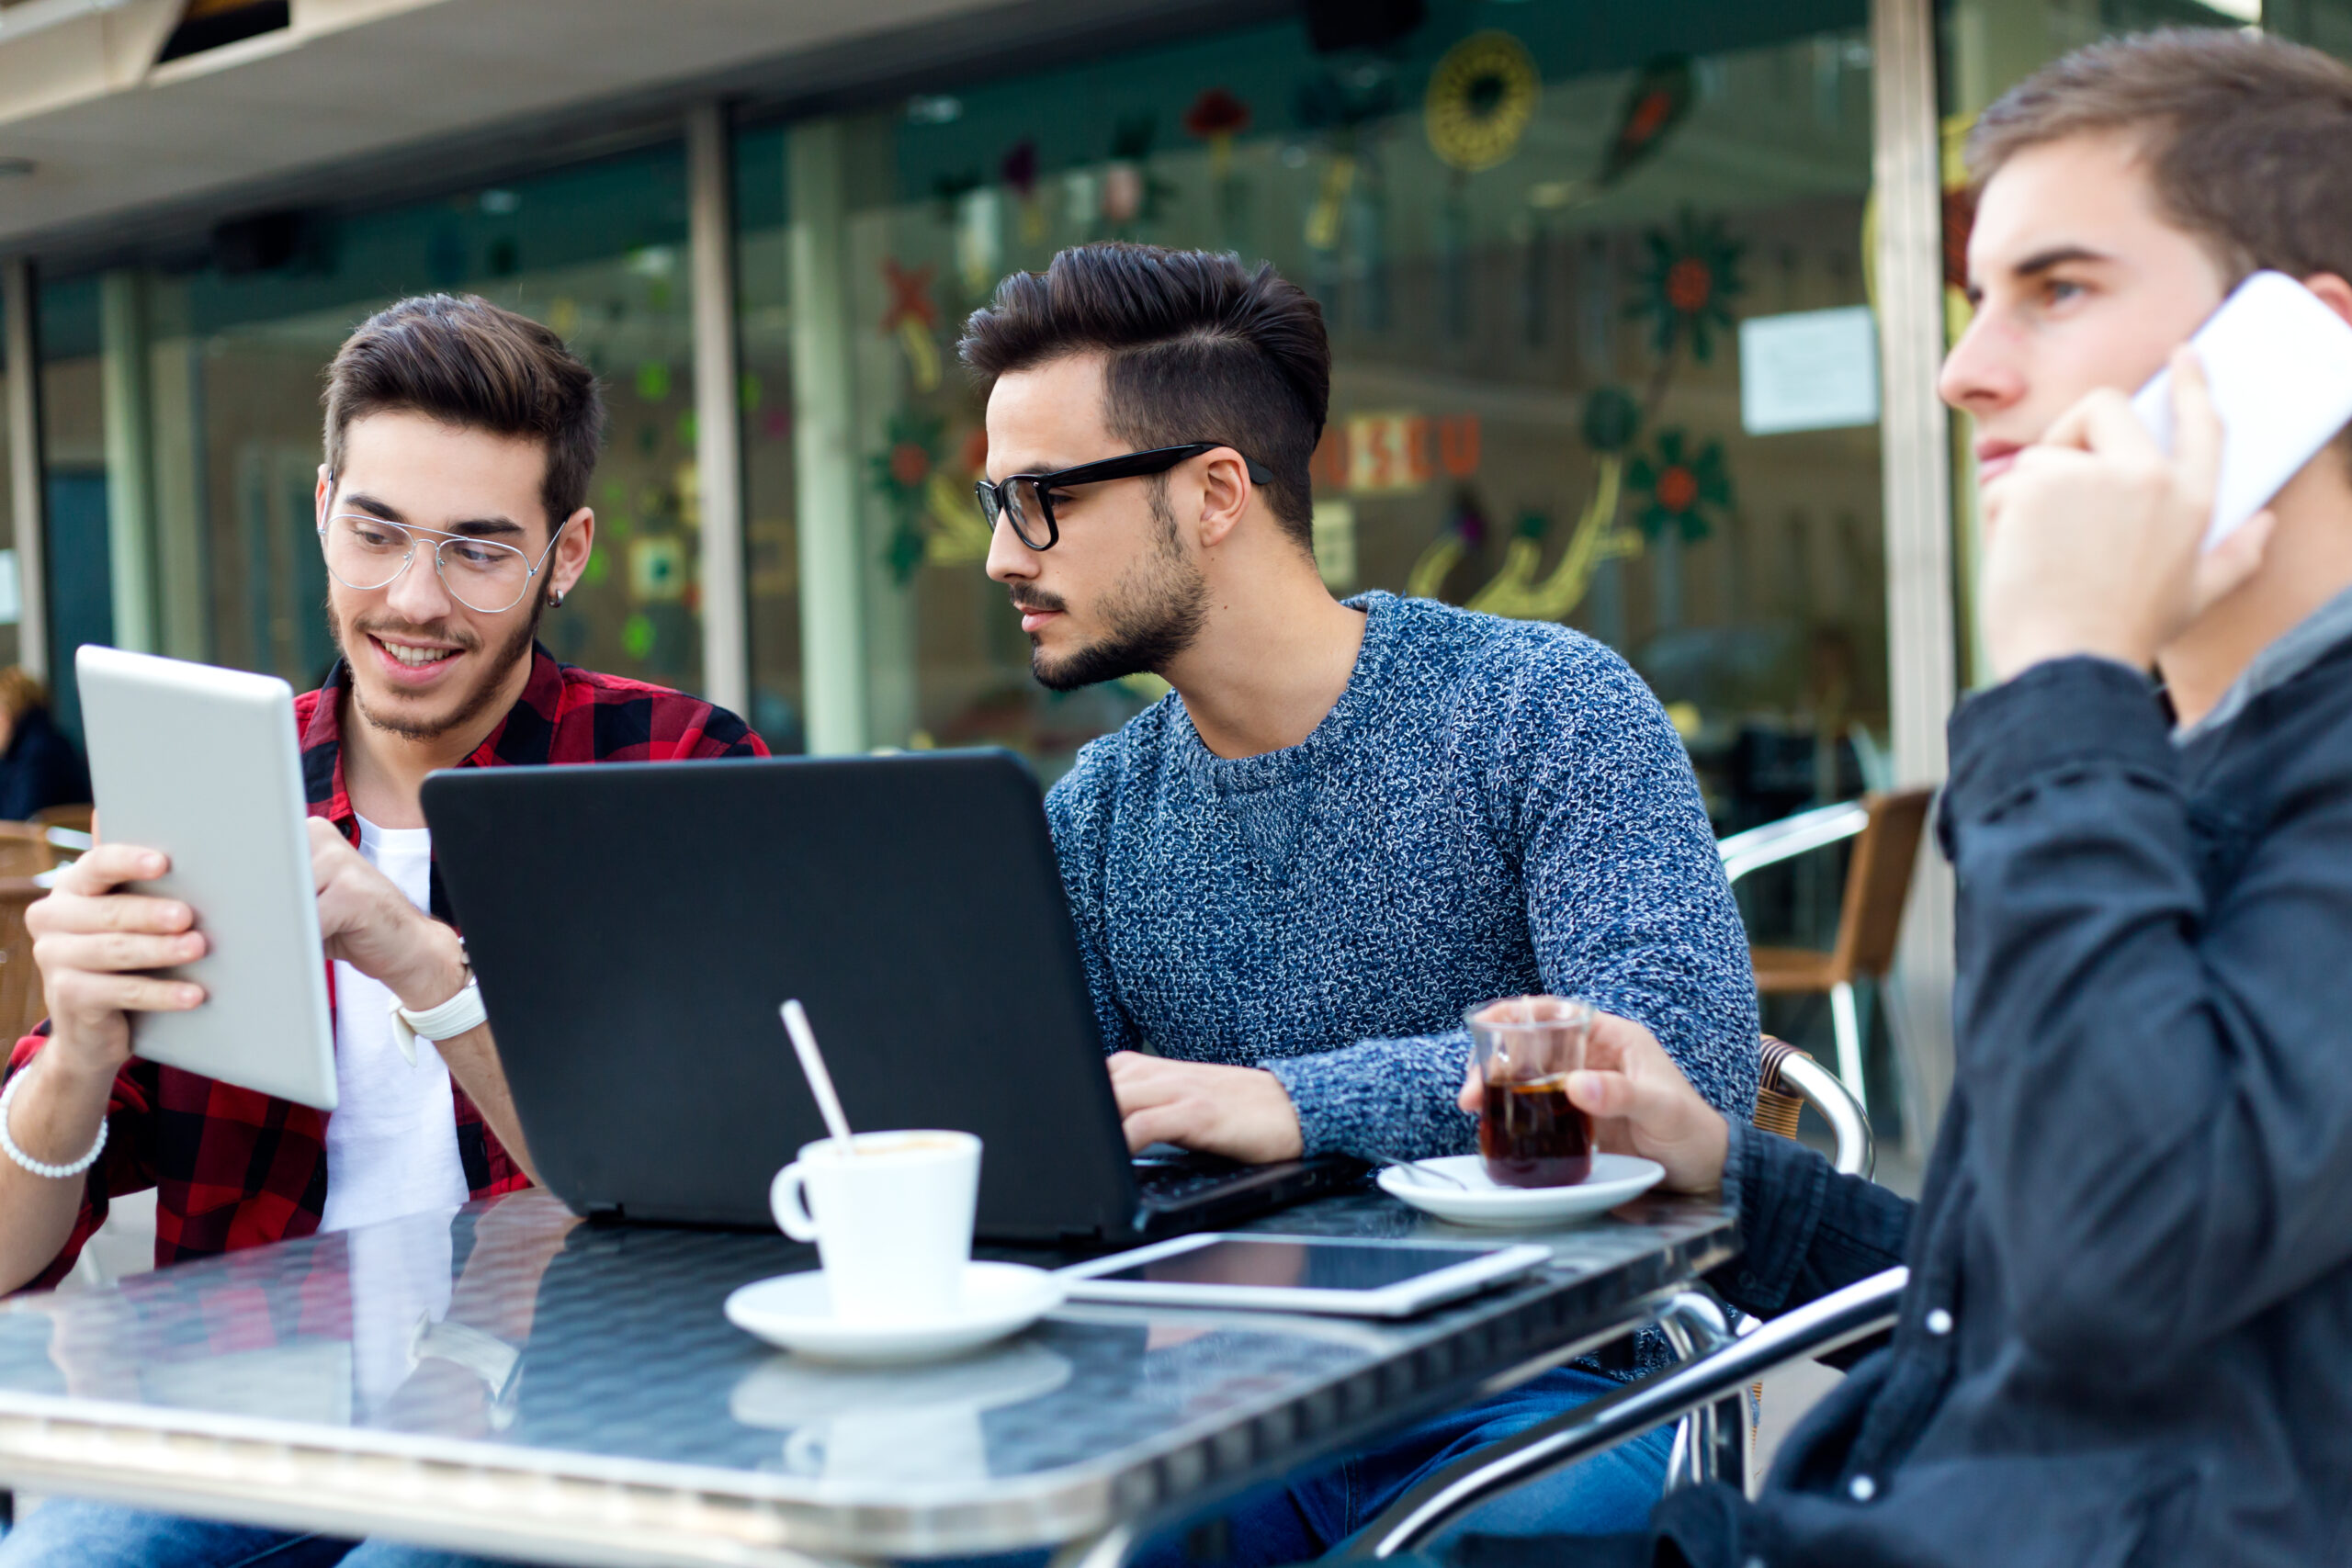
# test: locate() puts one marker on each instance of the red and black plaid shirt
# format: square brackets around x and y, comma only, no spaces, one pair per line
[235,1168]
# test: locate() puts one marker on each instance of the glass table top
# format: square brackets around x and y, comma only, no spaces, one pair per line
[509,1333]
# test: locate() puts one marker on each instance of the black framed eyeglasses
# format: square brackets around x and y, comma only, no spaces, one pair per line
[1026,500]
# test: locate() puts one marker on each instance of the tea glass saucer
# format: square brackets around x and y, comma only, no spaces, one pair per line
[1478,1200]
[795,1312]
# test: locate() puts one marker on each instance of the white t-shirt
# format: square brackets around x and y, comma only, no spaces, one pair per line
[392,1141]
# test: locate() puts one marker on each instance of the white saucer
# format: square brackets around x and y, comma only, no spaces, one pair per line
[794,1312]
[1479,1202]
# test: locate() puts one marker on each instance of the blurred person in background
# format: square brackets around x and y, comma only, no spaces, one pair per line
[39,766]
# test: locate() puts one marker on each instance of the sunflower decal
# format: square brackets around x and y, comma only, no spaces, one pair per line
[1482,97]
[1693,276]
[1679,489]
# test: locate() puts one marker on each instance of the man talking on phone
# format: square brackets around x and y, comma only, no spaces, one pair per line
[2129,1317]
[461,439]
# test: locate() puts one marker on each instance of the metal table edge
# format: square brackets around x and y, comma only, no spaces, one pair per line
[600,1502]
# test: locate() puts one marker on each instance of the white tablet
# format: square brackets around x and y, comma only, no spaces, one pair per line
[204,765]
[1301,1273]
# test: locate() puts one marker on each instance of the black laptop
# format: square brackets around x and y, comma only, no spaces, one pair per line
[635,927]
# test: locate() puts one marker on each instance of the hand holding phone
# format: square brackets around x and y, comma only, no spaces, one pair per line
[2094,539]
[2278,367]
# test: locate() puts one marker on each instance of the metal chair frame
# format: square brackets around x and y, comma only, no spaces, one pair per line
[1703,1394]
[1700,1386]
[1785,840]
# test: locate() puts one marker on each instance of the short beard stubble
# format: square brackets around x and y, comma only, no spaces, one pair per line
[1154,613]
[477,702]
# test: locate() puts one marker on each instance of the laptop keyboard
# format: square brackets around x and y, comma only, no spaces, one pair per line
[1168,1183]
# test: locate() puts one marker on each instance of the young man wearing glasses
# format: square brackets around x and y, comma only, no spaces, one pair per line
[461,439]
[1349,821]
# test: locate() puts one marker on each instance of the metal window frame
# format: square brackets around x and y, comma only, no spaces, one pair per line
[1915,466]
[718,432]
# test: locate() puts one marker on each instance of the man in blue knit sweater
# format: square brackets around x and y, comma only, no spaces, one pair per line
[1350,820]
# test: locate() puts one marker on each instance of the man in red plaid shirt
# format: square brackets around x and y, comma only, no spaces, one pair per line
[459,442]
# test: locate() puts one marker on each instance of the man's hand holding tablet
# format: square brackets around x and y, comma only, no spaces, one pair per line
[97,942]
[93,943]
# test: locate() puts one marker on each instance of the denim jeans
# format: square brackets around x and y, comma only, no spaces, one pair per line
[71,1533]
[1307,1514]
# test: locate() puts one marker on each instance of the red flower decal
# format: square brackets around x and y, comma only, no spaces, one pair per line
[909,464]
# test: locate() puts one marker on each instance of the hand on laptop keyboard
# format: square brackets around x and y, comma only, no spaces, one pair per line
[1243,1114]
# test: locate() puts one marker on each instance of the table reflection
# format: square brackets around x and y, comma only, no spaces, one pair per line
[512,1322]
[893,1423]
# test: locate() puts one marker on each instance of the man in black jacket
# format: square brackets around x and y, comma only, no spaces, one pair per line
[2127,1334]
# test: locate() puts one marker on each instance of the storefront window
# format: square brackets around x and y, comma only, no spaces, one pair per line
[2324,24]
[1598,302]
[230,354]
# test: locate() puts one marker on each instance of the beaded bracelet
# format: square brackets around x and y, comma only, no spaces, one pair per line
[42,1167]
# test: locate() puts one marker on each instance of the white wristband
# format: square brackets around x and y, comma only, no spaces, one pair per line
[451,1019]
[42,1167]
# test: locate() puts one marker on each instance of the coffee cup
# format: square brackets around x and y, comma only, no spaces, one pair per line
[891,1218]
[1524,1048]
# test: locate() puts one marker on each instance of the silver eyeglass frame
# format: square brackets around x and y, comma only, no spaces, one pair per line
[442,539]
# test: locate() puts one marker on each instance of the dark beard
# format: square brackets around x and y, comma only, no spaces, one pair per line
[515,650]
[1154,613]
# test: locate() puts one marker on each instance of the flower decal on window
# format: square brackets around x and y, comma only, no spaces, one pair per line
[902,476]
[1482,99]
[1678,488]
[1687,291]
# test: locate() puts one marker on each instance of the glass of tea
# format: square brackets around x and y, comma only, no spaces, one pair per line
[1524,1049]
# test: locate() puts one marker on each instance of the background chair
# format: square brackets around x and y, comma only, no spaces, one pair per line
[1885,829]
[21,1004]
[25,854]
[25,850]
[69,827]
[74,817]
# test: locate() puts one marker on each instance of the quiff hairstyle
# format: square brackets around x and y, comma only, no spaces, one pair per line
[2245,138]
[1198,347]
[474,366]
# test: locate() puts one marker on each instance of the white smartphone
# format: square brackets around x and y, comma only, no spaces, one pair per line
[2280,363]
[1301,1273]
[204,765]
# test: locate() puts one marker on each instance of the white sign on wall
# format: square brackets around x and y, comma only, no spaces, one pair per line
[1808,370]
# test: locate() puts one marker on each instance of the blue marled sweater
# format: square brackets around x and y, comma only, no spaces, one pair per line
[1492,807]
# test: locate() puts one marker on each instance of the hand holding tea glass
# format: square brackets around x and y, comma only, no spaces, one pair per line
[1637,1100]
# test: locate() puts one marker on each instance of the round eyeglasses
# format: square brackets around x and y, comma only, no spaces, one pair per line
[1026,500]
[366,553]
